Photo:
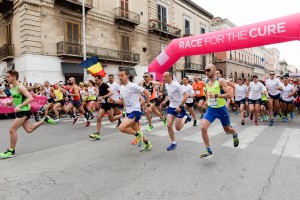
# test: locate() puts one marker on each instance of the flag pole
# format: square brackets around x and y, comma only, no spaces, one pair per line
[83,40]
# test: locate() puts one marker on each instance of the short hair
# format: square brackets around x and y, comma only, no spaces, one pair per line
[111,75]
[14,73]
[124,70]
[187,78]
[99,77]
[221,71]
[240,79]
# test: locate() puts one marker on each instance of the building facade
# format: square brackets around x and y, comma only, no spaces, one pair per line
[42,39]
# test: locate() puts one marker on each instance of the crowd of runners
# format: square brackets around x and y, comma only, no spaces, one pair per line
[129,104]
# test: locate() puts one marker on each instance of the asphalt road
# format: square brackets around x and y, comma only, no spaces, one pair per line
[62,162]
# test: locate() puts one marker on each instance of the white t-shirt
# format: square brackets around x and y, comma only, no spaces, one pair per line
[286,91]
[130,94]
[175,93]
[48,91]
[115,87]
[190,91]
[240,92]
[255,90]
[272,86]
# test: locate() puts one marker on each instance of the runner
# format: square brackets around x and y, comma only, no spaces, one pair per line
[189,102]
[104,93]
[21,100]
[76,102]
[263,106]
[216,108]
[274,86]
[152,87]
[49,92]
[115,87]
[59,101]
[287,99]
[177,98]
[200,98]
[240,98]
[255,91]
[92,98]
[129,96]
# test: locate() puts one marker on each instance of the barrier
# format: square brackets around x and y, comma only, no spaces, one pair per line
[35,105]
[273,31]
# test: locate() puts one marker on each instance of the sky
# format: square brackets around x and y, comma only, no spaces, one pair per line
[248,12]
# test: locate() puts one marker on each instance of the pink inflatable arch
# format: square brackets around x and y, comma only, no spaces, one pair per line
[273,31]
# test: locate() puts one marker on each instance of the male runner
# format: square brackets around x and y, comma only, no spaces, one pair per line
[241,91]
[189,102]
[200,98]
[216,108]
[49,92]
[115,87]
[21,99]
[287,99]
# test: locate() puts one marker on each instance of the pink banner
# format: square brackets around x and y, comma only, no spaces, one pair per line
[273,31]
[35,105]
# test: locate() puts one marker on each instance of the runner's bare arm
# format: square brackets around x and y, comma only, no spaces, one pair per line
[147,96]
[185,97]
[28,96]
[223,84]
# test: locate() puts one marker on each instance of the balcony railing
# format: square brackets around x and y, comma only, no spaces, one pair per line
[157,26]
[113,55]
[75,50]
[258,66]
[70,49]
[87,3]
[194,66]
[7,51]
[187,35]
[122,16]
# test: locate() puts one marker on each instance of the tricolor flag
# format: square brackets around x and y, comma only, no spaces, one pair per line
[93,66]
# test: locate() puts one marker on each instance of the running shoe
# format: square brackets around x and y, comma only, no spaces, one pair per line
[262,119]
[188,118]
[87,123]
[271,122]
[236,112]
[251,116]
[147,147]
[243,122]
[8,153]
[124,114]
[285,119]
[140,138]
[91,116]
[150,127]
[236,140]
[266,117]
[165,121]
[75,120]
[195,123]
[57,120]
[275,114]
[171,147]
[49,120]
[95,136]
[292,115]
[280,117]
[206,154]
[256,123]
[135,141]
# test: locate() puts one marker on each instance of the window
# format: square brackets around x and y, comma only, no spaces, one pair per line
[187,60]
[187,26]
[125,47]
[162,17]
[202,30]
[72,37]
[124,8]
[8,34]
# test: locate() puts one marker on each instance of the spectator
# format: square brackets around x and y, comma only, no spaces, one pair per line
[2,93]
[6,90]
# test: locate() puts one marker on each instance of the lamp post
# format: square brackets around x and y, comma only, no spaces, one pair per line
[83,40]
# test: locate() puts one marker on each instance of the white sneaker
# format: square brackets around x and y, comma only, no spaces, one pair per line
[143,120]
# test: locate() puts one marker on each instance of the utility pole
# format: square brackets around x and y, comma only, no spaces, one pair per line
[83,40]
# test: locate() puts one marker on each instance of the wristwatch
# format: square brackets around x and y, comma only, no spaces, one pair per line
[216,95]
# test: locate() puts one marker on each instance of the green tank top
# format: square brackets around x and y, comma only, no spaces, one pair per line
[216,89]
[264,97]
[19,98]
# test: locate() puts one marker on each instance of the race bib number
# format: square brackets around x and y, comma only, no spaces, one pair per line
[213,102]
[127,103]
[272,89]
[239,94]
[255,94]
[170,97]
[197,92]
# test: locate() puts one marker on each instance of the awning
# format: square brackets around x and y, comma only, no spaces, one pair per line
[71,68]
[132,72]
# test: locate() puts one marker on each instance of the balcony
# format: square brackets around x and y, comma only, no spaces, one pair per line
[155,26]
[6,5]
[187,35]
[194,67]
[69,49]
[258,66]
[65,49]
[7,52]
[110,55]
[75,4]
[126,17]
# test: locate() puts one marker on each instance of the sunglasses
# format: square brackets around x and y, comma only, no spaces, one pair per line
[207,70]
[145,76]
[272,74]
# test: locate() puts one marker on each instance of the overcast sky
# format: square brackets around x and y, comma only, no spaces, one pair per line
[248,12]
